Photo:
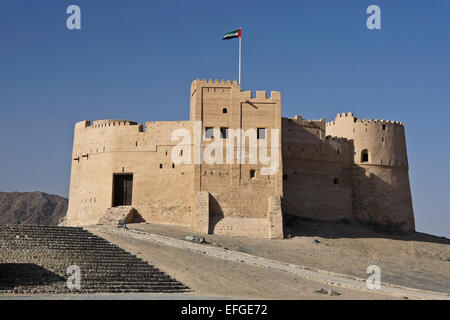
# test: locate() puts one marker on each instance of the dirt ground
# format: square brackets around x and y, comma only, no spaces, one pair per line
[209,276]
[417,261]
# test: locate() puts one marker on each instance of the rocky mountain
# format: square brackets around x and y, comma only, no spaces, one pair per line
[31,208]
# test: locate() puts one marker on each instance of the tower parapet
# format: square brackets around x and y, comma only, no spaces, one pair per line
[377,142]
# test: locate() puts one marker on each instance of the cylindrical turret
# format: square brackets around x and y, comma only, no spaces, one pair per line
[381,189]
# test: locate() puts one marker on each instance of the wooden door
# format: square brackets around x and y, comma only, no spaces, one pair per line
[123,190]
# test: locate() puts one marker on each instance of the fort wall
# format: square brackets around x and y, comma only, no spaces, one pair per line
[347,169]
[316,171]
[162,191]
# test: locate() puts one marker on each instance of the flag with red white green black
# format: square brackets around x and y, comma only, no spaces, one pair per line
[232,34]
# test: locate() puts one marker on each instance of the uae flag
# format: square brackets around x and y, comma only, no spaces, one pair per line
[232,34]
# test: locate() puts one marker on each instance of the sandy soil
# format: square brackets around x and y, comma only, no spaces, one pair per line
[417,260]
[209,276]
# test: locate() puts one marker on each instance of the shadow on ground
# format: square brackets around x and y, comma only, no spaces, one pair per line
[25,274]
[297,226]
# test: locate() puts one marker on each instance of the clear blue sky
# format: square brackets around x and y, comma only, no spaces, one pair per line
[136,59]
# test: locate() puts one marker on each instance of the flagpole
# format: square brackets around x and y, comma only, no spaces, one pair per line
[240,56]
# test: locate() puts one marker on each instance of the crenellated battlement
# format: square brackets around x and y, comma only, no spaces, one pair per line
[261,96]
[216,85]
[107,123]
[197,83]
[349,116]
[338,140]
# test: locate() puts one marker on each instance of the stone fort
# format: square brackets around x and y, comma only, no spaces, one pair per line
[349,169]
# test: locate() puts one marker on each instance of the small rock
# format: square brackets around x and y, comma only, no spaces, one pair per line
[316,241]
[322,291]
[405,297]
[334,293]
[196,239]
[239,248]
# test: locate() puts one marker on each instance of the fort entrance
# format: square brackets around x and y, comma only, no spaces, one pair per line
[122,189]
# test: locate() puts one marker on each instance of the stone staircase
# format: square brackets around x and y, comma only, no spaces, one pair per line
[34,259]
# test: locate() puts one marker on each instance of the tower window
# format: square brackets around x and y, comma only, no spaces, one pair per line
[209,132]
[173,165]
[383,127]
[160,165]
[261,133]
[224,110]
[224,133]
[365,155]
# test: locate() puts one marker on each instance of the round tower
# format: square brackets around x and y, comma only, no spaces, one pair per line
[381,189]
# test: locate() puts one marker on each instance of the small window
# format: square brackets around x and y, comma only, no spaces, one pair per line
[382,139]
[209,132]
[336,180]
[383,127]
[181,152]
[365,156]
[173,165]
[338,151]
[160,165]
[252,173]
[224,110]
[261,133]
[224,133]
